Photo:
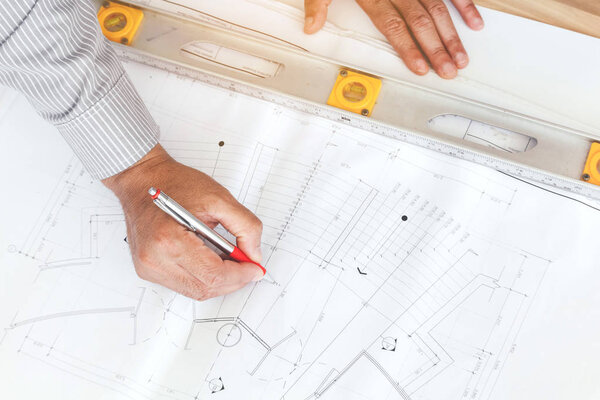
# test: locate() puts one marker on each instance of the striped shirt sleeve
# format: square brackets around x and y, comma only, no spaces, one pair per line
[55,54]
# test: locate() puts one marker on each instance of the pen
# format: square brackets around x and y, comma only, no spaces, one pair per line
[187,219]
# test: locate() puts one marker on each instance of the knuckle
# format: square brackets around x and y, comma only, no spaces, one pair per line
[420,22]
[193,289]
[218,201]
[438,52]
[209,200]
[257,224]
[214,279]
[394,26]
[213,198]
[470,8]
[147,270]
[437,9]
[145,265]
[145,259]
[453,43]
[201,295]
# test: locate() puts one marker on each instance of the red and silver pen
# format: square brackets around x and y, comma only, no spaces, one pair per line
[187,219]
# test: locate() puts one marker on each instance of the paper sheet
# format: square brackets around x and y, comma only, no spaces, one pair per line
[393,272]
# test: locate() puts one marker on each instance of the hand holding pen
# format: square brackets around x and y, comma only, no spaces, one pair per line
[188,220]
[170,254]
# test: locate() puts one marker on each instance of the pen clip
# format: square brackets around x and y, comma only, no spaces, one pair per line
[173,214]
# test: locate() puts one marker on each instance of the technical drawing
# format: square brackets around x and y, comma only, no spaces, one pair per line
[388,343]
[216,385]
[335,376]
[377,286]
[229,335]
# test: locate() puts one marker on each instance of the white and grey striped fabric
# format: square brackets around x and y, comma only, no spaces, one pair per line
[54,52]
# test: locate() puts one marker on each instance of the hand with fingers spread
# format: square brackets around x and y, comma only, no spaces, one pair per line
[417,29]
[164,251]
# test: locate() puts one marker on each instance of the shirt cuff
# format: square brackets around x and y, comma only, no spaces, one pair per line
[114,133]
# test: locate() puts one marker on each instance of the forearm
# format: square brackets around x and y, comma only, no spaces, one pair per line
[54,53]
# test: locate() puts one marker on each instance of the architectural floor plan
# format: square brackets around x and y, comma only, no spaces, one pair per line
[392,272]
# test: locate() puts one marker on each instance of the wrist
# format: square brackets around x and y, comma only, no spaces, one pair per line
[131,185]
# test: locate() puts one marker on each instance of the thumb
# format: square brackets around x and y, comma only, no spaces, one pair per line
[243,224]
[315,15]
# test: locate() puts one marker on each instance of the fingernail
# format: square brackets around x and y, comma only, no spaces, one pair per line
[421,66]
[477,23]
[308,22]
[448,70]
[461,59]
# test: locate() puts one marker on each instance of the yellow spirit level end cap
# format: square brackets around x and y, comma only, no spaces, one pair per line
[119,23]
[355,92]
[591,172]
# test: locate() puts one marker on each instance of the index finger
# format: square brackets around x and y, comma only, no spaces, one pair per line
[469,13]
[439,13]
[423,28]
[240,222]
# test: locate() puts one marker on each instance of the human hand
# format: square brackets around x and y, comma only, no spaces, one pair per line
[415,29]
[165,252]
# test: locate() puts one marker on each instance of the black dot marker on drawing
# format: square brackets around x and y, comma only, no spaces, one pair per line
[404,218]
[221,143]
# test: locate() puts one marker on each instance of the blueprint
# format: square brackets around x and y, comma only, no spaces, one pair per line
[393,272]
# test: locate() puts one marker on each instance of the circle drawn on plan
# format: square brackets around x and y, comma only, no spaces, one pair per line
[216,385]
[229,335]
[388,343]
[12,248]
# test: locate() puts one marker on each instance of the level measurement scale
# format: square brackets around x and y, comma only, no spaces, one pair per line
[364,123]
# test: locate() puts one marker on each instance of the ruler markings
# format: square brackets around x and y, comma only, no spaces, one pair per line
[356,121]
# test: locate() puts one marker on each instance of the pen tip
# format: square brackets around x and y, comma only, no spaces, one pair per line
[151,191]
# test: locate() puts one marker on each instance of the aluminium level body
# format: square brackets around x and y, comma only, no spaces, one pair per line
[294,78]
